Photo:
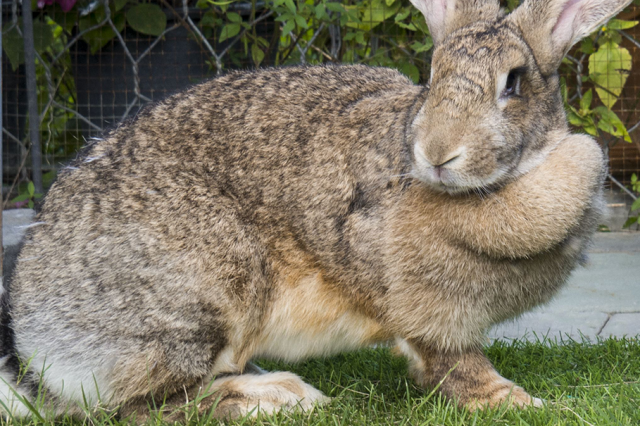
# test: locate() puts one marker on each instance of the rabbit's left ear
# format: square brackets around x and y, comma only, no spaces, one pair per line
[552,27]
[445,16]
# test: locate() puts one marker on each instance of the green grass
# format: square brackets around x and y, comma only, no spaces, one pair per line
[583,384]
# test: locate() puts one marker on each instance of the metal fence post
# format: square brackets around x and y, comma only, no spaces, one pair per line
[32,94]
[1,168]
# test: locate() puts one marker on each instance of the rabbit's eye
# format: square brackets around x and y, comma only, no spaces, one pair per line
[512,87]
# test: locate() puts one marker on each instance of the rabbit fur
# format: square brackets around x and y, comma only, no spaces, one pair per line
[304,211]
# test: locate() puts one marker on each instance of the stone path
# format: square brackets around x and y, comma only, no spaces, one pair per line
[600,300]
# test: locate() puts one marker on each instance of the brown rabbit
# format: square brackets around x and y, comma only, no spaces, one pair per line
[304,211]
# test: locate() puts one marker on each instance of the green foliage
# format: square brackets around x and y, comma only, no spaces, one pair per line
[13,43]
[375,32]
[609,67]
[634,215]
[27,197]
[147,19]
[390,33]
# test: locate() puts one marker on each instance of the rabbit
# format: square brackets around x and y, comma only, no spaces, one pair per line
[304,211]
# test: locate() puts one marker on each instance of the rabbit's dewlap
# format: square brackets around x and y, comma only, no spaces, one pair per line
[305,211]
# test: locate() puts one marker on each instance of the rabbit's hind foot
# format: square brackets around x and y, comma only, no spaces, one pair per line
[246,394]
[237,396]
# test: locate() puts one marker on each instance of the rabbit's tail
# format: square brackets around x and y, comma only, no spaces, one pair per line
[13,391]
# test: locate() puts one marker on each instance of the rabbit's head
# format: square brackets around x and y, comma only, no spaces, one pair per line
[494,104]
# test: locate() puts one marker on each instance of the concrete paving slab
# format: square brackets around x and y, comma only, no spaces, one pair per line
[622,325]
[609,283]
[14,223]
[616,242]
[539,323]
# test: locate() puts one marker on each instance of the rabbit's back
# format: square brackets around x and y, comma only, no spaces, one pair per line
[157,237]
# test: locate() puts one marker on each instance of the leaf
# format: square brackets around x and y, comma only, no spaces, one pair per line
[99,37]
[585,102]
[119,4]
[619,24]
[636,205]
[402,15]
[290,5]
[587,46]
[575,119]
[31,189]
[301,21]
[409,70]
[13,47]
[420,23]
[42,36]
[228,31]
[147,18]
[31,204]
[234,17]
[563,89]
[409,27]
[422,47]
[611,123]
[374,14]
[321,11]
[208,19]
[288,27]
[256,54]
[65,20]
[335,7]
[609,68]
[630,222]
[21,197]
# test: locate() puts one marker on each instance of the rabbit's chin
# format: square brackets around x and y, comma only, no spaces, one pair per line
[456,183]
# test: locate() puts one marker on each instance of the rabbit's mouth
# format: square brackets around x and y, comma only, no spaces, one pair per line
[450,176]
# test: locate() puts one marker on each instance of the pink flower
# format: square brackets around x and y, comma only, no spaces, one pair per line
[66,5]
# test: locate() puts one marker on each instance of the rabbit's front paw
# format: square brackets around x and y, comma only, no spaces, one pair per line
[466,377]
[509,394]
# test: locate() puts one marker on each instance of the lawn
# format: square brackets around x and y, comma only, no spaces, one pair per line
[583,384]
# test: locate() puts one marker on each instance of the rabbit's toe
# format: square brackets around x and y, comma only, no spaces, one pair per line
[269,393]
[514,396]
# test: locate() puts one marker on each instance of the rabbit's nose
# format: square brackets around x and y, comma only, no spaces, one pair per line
[439,169]
[448,161]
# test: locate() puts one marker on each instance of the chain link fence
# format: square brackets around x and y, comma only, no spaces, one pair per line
[97,62]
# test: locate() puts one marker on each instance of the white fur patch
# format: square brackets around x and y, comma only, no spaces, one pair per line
[271,392]
[225,362]
[74,378]
[413,357]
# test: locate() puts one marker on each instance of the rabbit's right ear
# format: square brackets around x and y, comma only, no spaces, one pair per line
[551,27]
[445,16]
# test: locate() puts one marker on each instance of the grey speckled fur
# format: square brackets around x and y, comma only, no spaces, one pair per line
[284,213]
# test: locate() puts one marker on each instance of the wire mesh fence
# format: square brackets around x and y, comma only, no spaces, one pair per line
[99,61]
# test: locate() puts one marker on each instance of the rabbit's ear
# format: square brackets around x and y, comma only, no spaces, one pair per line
[446,16]
[551,27]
